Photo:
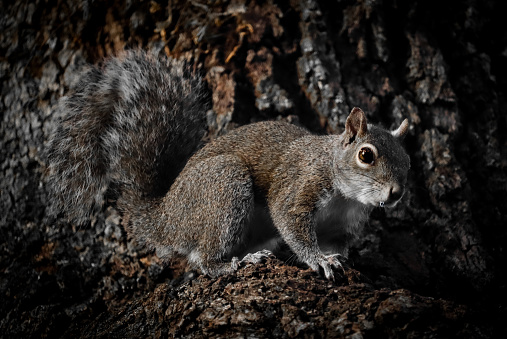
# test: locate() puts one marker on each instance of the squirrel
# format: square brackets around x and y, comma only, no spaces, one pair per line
[136,124]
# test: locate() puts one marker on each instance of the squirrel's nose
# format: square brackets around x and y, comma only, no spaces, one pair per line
[395,192]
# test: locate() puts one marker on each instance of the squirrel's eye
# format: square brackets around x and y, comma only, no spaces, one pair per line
[366,155]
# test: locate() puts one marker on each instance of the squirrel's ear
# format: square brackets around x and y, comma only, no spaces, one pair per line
[401,131]
[355,126]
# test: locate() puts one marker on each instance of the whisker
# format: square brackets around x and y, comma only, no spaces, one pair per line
[362,174]
[290,260]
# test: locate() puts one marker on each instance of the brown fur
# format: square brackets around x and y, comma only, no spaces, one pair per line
[257,186]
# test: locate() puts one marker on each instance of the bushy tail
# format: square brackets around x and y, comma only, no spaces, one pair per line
[133,123]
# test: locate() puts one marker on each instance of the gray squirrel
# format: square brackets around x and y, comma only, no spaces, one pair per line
[135,125]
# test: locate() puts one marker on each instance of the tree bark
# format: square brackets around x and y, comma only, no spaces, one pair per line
[433,266]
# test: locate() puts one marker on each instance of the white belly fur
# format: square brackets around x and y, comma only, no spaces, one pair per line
[339,220]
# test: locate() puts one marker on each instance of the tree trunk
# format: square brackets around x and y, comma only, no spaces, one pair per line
[431,267]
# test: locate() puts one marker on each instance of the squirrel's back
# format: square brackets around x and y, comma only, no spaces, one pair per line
[131,123]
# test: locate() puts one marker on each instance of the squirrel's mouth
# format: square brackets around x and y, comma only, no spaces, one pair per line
[388,203]
[384,204]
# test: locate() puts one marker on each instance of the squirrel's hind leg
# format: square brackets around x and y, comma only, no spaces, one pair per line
[212,200]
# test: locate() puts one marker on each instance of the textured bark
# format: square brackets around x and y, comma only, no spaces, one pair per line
[431,267]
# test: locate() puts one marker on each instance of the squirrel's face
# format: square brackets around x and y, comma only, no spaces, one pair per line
[374,166]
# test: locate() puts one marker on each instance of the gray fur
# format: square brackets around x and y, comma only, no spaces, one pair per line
[135,123]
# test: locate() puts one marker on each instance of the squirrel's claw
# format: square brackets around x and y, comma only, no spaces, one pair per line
[235,263]
[257,257]
[330,262]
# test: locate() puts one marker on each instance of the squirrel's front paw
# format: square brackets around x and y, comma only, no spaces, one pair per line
[328,262]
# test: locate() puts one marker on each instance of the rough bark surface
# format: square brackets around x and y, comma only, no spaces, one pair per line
[432,267]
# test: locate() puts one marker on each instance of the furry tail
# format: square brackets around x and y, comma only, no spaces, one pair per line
[131,124]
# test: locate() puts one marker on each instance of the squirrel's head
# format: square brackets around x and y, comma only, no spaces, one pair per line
[373,165]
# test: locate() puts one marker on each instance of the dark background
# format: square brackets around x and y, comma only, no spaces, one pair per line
[432,267]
